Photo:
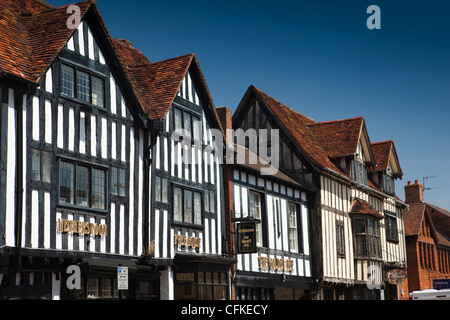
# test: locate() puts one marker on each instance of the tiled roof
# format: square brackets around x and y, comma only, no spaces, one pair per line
[296,125]
[439,221]
[32,34]
[413,219]
[361,207]
[382,151]
[340,137]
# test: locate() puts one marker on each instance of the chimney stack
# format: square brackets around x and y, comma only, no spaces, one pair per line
[226,121]
[414,192]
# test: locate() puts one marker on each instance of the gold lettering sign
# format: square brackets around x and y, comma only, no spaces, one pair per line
[187,241]
[276,264]
[81,227]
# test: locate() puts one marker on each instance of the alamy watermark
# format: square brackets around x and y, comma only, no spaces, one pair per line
[250,147]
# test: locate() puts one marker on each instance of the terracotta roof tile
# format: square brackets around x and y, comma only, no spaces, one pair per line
[296,125]
[382,152]
[32,34]
[413,219]
[361,207]
[340,137]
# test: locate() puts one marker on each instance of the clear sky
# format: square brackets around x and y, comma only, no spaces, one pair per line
[319,58]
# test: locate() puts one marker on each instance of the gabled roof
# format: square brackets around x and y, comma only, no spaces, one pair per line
[439,220]
[32,34]
[383,152]
[361,207]
[413,219]
[340,138]
[294,125]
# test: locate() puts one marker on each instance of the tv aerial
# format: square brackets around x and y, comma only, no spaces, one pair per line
[423,182]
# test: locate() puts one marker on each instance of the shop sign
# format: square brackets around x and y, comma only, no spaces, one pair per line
[396,276]
[122,278]
[187,241]
[81,227]
[273,264]
[440,284]
[246,237]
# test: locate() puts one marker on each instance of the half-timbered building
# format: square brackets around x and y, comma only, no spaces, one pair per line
[356,222]
[186,228]
[93,177]
[268,220]
[73,142]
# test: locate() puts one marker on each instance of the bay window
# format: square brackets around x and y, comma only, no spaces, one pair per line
[367,238]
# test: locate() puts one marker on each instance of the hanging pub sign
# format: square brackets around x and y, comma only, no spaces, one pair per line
[246,237]
[396,276]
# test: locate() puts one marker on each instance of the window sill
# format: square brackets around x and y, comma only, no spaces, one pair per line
[66,206]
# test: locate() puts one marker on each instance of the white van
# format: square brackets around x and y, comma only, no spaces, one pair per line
[431,294]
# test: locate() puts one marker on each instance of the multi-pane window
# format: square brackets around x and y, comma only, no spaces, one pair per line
[293,232]
[67,81]
[82,85]
[118,181]
[190,123]
[186,206]
[340,238]
[388,183]
[359,171]
[82,185]
[97,91]
[255,212]
[41,163]
[201,285]
[98,189]
[161,189]
[391,226]
[66,182]
[367,237]
[210,202]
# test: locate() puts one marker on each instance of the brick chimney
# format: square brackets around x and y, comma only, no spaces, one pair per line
[414,192]
[226,121]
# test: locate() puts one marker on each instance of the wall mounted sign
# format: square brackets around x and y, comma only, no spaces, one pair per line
[396,276]
[266,263]
[440,284]
[187,241]
[81,227]
[246,237]
[122,278]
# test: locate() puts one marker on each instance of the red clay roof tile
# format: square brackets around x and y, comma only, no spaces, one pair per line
[340,137]
[361,207]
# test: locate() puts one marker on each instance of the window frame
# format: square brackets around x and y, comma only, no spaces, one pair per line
[76,94]
[295,229]
[340,238]
[185,190]
[370,239]
[43,169]
[390,226]
[90,168]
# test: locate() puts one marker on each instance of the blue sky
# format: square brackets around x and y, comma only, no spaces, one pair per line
[319,58]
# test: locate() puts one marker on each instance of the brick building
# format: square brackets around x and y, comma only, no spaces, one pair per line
[427,232]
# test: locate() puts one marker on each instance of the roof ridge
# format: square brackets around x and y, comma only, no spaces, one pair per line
[337,120]
[382,142]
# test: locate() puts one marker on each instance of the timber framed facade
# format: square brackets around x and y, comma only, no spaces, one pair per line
[357,233]
[94,176]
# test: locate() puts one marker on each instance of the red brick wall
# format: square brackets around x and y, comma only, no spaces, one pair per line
[424,264]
